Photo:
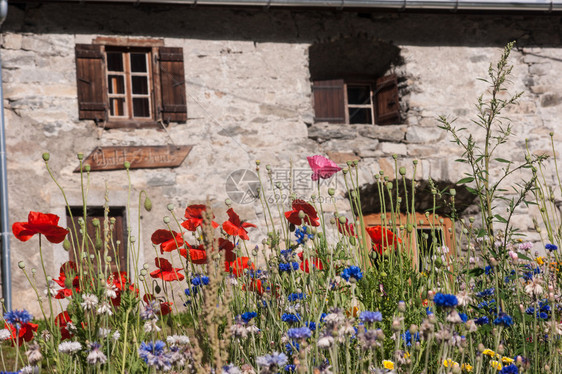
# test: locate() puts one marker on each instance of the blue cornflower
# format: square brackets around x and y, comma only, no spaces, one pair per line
[529,275]
[407,337]
[199,280]
[292,347]
[290,318]
[273,360]
[504,320]
[230,369]
[301,233]
[484,320]
[17,318]
[464,317]
[154,354]
[542,315]
[489,270]
[370,317]
[290,368]
[322,316]
[352,272]
[510,369]
[311,325]
[428,311]
[296,296]
[247,316]
[551,247]
[486,292]
[288,267]
[445,300]
[299,333]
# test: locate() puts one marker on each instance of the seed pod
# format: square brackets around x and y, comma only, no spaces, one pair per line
[147,204]
[66,244]
[46,156]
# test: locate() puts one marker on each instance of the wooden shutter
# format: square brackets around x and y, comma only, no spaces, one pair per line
[387,109]
[172,83]
[90,78]
[118,234]
[329,101]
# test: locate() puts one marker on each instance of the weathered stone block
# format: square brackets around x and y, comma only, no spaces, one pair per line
[393,133]
[11,41]
[322,132]
[393,148]
[417,134]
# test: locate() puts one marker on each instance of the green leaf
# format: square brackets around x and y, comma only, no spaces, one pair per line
[481,233]
[500,218]
[503,160]
[465,180]
[522,256]
[476,272]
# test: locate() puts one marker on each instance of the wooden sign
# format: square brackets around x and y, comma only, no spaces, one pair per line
[142,157]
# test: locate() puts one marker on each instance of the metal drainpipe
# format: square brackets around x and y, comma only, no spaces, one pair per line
[4,216]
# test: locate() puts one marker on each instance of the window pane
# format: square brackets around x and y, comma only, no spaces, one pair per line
[359,94]
[114,61]
[138,62]
[116,84]
[117,107]
[140,107]
[360,115]
[140,85]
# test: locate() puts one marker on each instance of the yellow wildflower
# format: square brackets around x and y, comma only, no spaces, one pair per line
[489,352]
[388,364]
[450,363]
[539,260]
[467,368]
[507,360]
[496,365]
[406,355]
[352,311]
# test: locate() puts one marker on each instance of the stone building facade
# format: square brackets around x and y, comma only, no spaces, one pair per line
[249,75]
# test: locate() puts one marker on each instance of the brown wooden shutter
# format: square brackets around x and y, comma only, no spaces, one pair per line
[172,83]
[90,78]
[387,109]
[118,234]
[329,101]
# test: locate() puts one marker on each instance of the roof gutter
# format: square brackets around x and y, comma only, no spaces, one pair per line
[483,5]
[4,215]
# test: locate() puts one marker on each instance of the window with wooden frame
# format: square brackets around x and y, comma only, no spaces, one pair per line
[431,233]
[94,237]
[357,101]
[130,83]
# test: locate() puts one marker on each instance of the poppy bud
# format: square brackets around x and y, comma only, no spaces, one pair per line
[157,289]
[66,244]
[108,259]
[145,266]
[258,162]
[141,278]
[33,270]
[415,162]
[46,156]
[21,265]
[389,185]
[301,214]
[170,207]
[143,272]
[96,222]
[402,171]
[331,191]
[127,165]
[49,278]
[395,156]
[80,156]
[133,239]
[147,204]
[345,171]
[87,168]
[352,240]
[166,219]
[228,202]
[98,244]
[268,167]
[453,192]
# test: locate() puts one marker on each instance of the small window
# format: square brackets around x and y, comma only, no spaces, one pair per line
[357,101]
[130,83]
[95,235]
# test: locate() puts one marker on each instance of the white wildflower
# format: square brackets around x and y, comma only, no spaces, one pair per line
[29,370]
[89,301]
[103,333]
[111,290]
[471,325]
[151,326]
[177,340]
[5,334]
[464,298]
[33,354]
[104,308]
[96,356]
[534,287]
[116,335]
[69,347]
[325,341]
[454,317]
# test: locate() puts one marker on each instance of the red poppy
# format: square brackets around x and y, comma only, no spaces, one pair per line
[322,167]
[68,279]
[316,263]
[25,332]
[347,228]
[310,215]
[121,282]
[168,240]
[62,320]
[197,255]
[235,227]
[165,307]
[228,248]
[255,286]
[194,217]
[40,223]
[381,237]
[165,271]
[237,267]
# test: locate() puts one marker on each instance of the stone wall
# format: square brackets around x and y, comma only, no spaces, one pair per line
[249,98]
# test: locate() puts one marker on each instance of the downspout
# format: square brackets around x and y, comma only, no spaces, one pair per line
[4,216]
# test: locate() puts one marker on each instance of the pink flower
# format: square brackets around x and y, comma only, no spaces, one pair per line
[322,167]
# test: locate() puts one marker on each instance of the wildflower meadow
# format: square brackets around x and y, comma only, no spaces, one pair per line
[320,293]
